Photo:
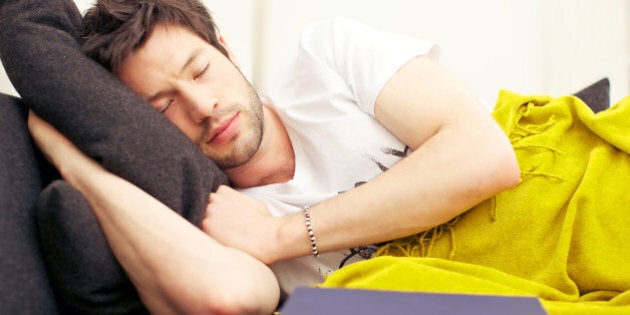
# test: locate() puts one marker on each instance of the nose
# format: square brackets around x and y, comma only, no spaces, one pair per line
[199,104]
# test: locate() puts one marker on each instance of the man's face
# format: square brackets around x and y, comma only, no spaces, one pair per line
[200,90]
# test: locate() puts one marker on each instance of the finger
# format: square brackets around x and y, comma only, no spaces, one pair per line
[58,149]
[38,129]
[215,196]
[45,133]
[205,226]
[224,189]
[35,124]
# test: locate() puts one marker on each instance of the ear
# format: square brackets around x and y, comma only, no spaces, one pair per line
[229,51]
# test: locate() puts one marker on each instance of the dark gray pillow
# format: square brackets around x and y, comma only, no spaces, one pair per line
[40,50]
[101,115]
[596,95]
[24,280]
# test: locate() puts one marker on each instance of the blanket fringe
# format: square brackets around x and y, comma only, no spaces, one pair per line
[421,244]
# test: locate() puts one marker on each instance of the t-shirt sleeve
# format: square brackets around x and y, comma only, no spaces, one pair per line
[364,57]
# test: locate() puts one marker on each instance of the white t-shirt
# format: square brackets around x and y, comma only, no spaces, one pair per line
[327,106]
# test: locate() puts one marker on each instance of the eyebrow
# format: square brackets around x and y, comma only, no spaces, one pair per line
[194,55]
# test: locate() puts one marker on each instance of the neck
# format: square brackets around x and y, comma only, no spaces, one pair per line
[273,163]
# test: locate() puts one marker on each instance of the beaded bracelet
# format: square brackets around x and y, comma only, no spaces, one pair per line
[309,228]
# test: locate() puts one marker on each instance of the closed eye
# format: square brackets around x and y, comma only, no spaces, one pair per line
[166,106]
[200,73]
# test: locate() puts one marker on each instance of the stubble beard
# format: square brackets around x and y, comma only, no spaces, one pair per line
[245,144]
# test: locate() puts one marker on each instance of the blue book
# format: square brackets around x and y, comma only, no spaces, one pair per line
[318,301]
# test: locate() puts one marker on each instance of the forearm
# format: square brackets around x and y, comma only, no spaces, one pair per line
[437,182]
[433,185]
[175,267]
[460,157]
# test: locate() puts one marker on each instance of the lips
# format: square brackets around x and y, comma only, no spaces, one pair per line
[225,130]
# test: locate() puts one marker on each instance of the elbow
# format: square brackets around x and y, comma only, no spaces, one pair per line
[231,306]
[507,172]
[231,292]
[242,297]
[235,302]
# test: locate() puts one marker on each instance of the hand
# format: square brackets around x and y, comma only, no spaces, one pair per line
[242,222]
[56,147]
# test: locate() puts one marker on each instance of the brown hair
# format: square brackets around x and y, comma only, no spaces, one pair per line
[113,29]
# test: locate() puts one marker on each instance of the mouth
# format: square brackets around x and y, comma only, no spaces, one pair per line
[225,130]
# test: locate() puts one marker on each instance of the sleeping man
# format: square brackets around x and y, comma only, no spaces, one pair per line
[365,112]
[362,113]
[411,149]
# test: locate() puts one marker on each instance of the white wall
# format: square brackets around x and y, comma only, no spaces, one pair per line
[474,36]
[5,84]
[536,46]
[586,40]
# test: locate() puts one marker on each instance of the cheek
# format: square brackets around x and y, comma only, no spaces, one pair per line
[179,119]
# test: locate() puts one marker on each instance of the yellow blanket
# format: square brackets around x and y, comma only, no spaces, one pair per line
[559,235]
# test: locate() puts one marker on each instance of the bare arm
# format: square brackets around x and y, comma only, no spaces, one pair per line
[460,158]
[176,268]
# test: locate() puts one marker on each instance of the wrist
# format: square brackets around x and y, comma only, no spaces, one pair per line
[292,239]
[76,172]
[309,230]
